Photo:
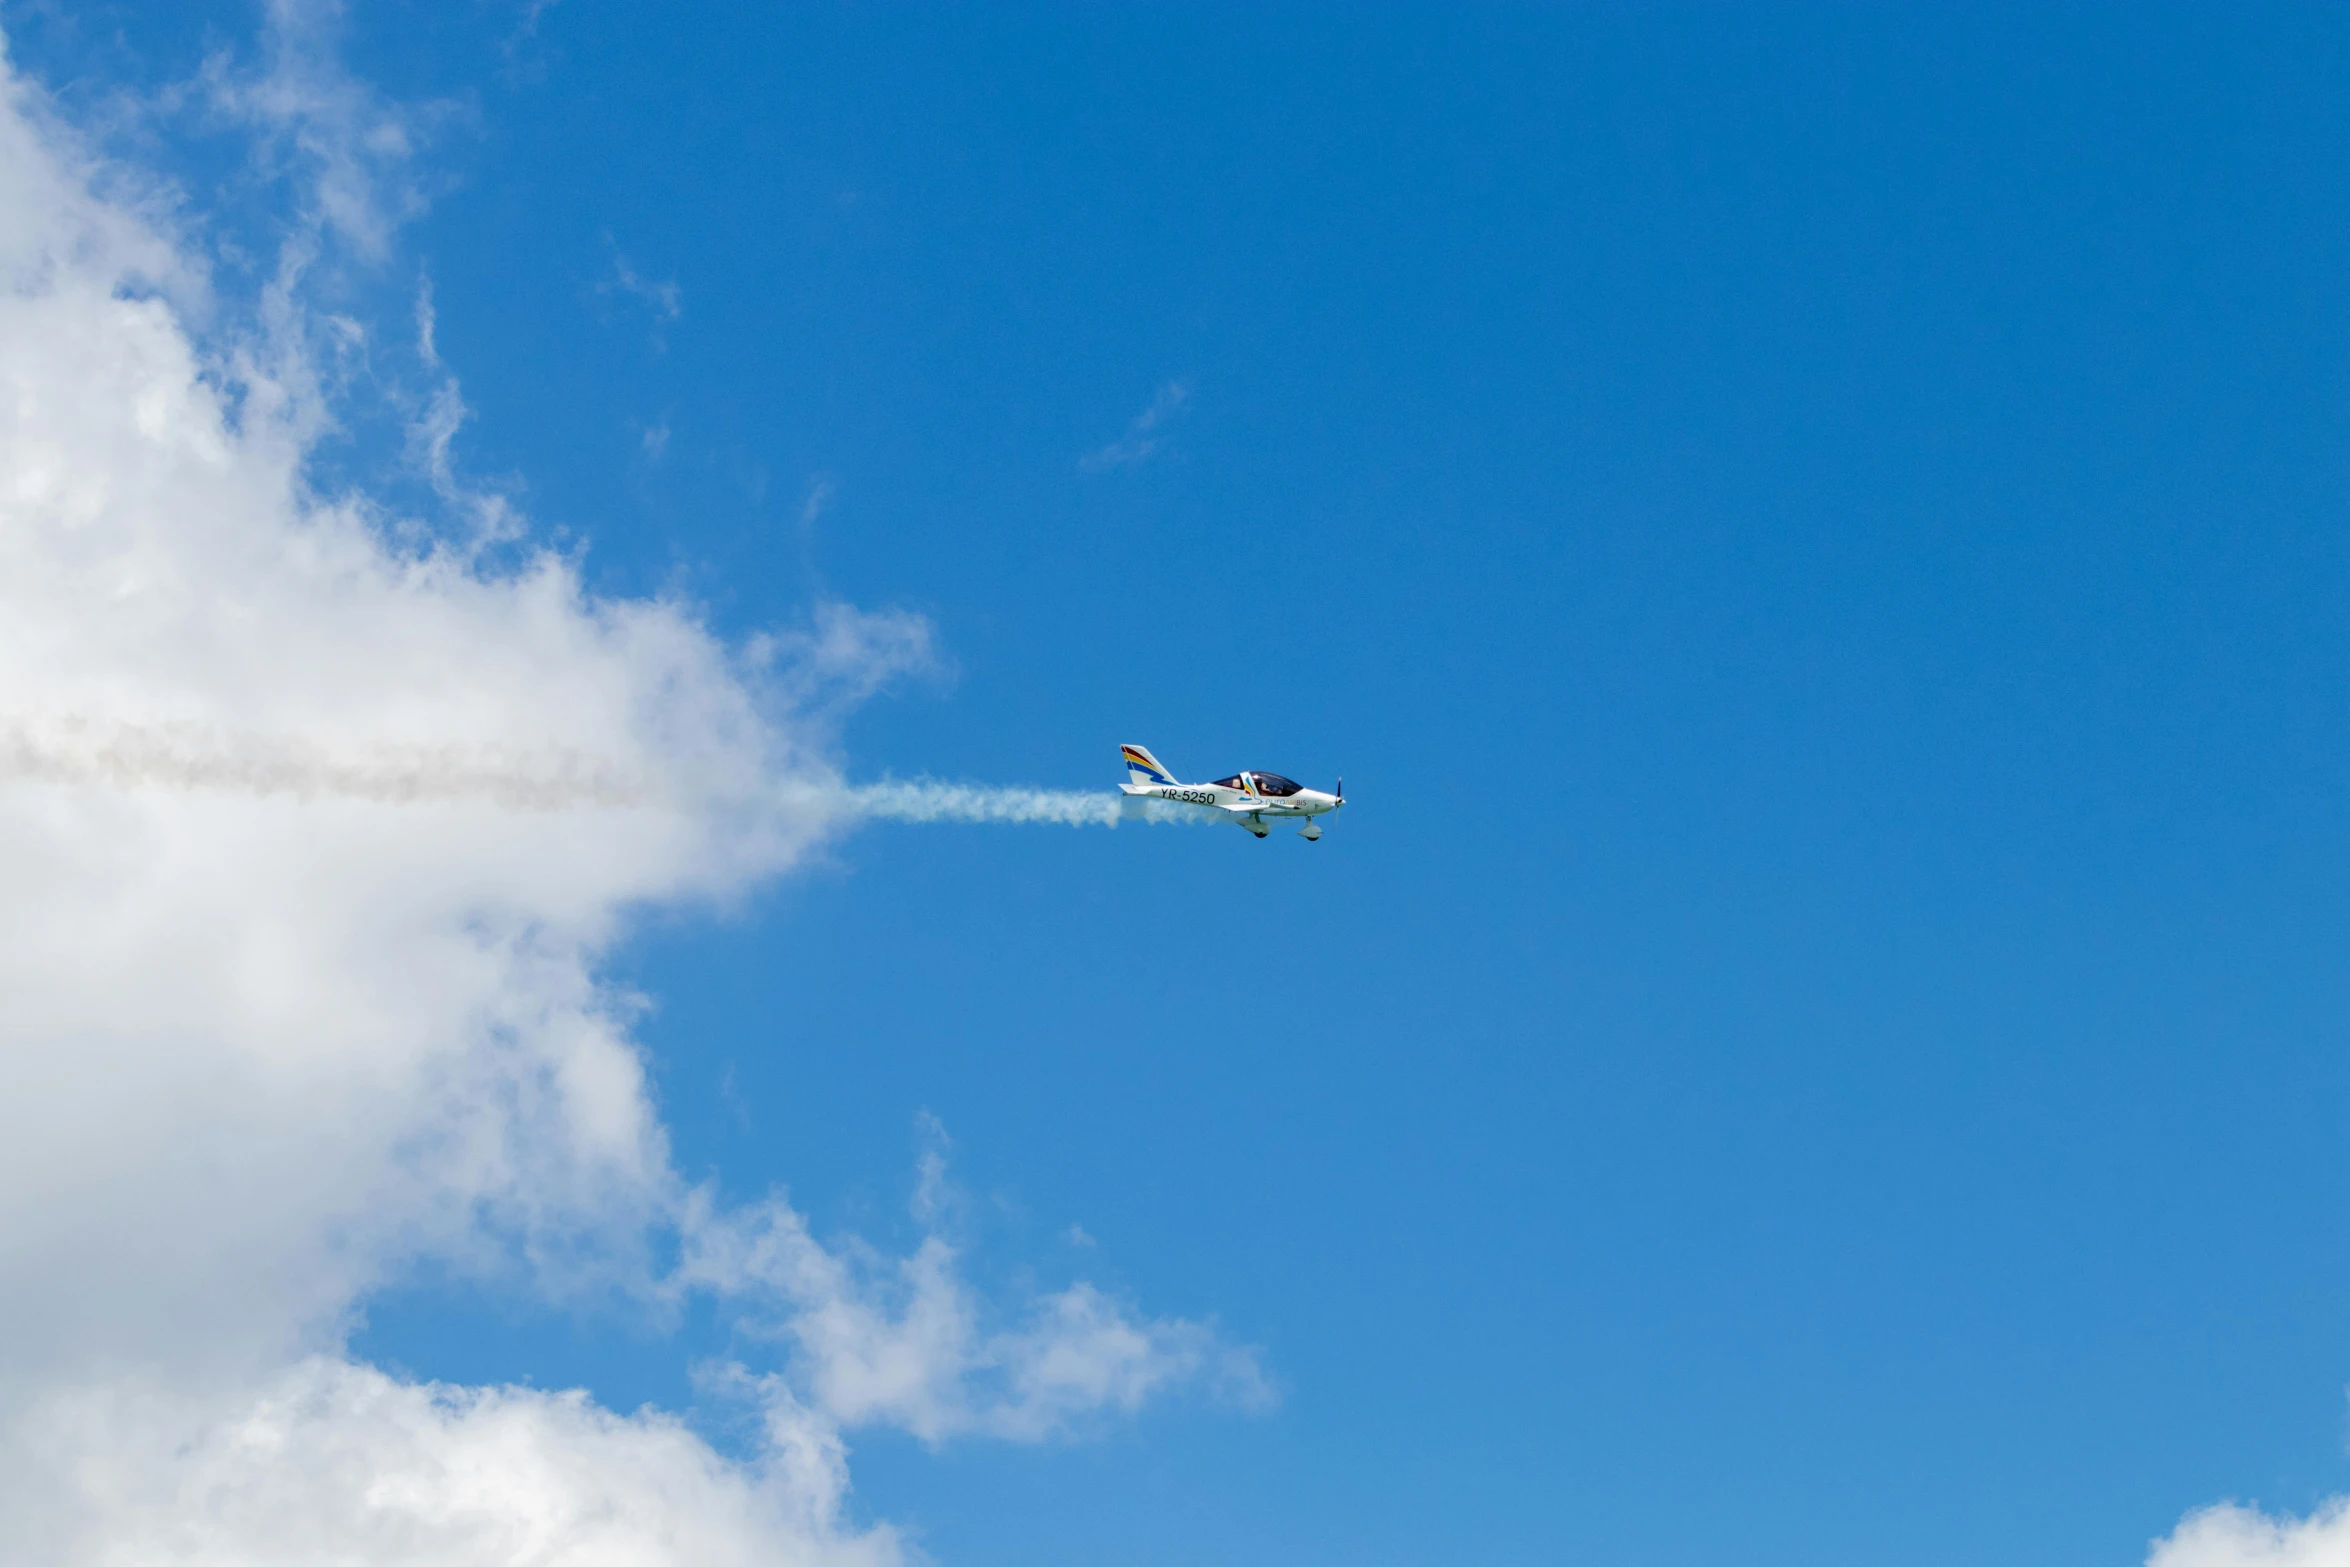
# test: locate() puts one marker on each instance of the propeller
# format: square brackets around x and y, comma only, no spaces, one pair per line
[1342,789]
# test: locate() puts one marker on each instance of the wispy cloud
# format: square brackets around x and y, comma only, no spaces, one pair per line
[532,11]
[1143,435]
[348,150]
[428,319]
[431,434]
[821,491]
[904,1341]
[662,298]
[525,59]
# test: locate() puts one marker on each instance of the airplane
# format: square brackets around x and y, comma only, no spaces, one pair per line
[1248,798]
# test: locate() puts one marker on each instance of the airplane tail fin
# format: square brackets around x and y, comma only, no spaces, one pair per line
[1142,767]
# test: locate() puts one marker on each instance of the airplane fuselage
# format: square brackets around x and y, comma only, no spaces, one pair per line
[1306,802]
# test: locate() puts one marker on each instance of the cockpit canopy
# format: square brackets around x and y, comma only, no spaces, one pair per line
[1271,784]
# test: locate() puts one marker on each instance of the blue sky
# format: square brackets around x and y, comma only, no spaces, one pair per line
[1816,542]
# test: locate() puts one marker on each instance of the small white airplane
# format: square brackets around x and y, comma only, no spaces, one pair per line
[1250,799]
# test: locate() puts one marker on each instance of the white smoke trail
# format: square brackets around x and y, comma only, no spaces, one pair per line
[929,800]
[197,757]
[201,757]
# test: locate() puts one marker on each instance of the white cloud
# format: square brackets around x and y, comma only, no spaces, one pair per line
[2234,1536]
[333,1462]
[316,846]
[1142,434]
